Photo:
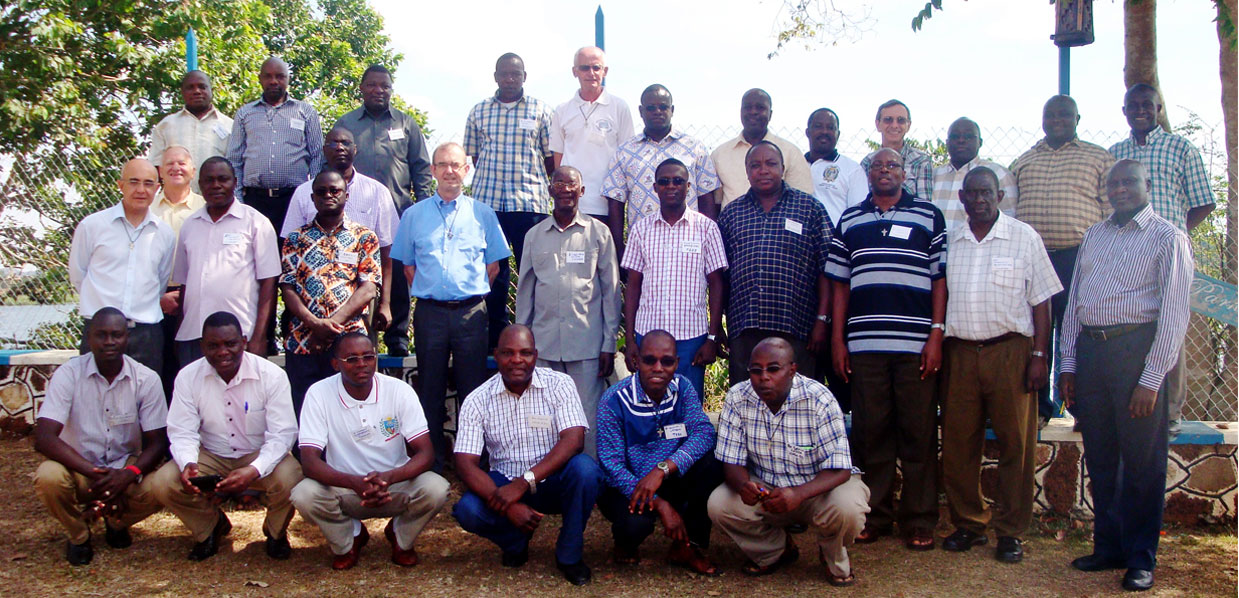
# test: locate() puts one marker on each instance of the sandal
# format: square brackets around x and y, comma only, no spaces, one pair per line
[920,539]
[841,581]
[871,533]
[692,558]
[789,556]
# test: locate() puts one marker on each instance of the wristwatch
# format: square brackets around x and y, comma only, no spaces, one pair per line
[1038,353]
[712,338]
[938,325]
[823,318]
[532,480]
[663,467]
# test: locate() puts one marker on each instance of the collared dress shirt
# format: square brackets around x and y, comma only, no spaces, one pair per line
[204,137]
[587,134]
[729,161]
[918,170]
[104,421]
[114,264]
[839,184]
[369,204]
[450,243]
[788,448]
[1062,191]
[632,431]
[673,261]
[361,436]
[890,261]
[392,150]
[568,291]
[775,259]
[275,147]
[948,181]
[325,268]
[252,412]
[993,283]
[630,176]
[220,264]
[1137,273]
[175,214]
[511,142]
[1174,165]
[518,431]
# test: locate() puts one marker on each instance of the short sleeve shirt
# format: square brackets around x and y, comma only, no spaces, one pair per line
[630,177]
[587,134]
[362,436]
[369,204]
[324,268]
[673,261]
[511,142]
[450,243]
[1180,181]
[1062,191]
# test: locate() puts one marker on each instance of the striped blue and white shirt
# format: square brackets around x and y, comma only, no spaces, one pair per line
[890,259]
[1136,273]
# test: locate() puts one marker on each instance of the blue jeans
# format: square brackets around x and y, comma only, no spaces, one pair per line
[571,491]
[685,350]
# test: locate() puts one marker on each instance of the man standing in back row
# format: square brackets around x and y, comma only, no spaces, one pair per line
[729,158]
[893,120]
[198,127]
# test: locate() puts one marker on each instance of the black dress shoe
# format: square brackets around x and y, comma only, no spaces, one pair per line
[578,574]
[1137,580]
[963,540]
[117,538]
[398,351]
[515,558]
[279,548]
[207,548]
[1009,550]
[1096,562]
[79,554]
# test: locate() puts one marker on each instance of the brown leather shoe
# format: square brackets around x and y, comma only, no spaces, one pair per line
[692,558]
[404,558]
[347,560]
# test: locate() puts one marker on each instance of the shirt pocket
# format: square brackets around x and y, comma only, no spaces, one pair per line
[804,458]
[256,422]
[1009,277]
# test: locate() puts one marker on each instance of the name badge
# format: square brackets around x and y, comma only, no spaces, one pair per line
[120,420]
[798,452]
[233,238]
[576,257]
[675,431]
[527,124]
[793,226]
[296,123]
[540,422]
[347,257]
[690,247]
[395,134]
[1004,263]
[901,232]
[220,131]
[361,434]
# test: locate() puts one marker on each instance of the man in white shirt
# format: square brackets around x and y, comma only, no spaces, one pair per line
[101,426]
[728,158]
[231,418]
[198,127]
[531,422]
[352,469]
[173,204]
[838,181]
[122,257]
[587,129]
[963,144]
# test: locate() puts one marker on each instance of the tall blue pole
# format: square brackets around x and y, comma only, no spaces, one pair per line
[599,37]
[1064,70]
[191,50]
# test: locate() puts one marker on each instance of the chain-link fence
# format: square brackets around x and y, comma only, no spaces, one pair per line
[45,195]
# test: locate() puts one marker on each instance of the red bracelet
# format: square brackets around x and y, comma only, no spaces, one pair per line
[134,469]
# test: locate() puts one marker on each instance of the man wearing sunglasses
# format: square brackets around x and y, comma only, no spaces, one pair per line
[366,453]
[786,460]
[893,121]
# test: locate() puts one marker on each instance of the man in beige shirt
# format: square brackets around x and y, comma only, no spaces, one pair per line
[198,127]
[568,294]
[729,158]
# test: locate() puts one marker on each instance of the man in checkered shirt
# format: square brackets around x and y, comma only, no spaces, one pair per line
[999,283]
[786,460]
[531,423]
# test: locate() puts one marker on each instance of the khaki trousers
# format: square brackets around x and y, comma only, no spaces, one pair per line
[200,515]
[413,504]
[64,492]
[985,382]
[838,516]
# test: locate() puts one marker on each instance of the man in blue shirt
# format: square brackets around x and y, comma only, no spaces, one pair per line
[451,247]
[654,444]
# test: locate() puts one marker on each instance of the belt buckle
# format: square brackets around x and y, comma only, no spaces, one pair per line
[273,192]
[1099,335]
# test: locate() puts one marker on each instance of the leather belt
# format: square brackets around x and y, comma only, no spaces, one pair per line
[1105,333]
[989,341]
[278,192]
[470,302]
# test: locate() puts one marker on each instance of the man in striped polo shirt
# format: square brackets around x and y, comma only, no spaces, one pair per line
[889,310]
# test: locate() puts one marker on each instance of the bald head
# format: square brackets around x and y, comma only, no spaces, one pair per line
[196,92]
[1059,119]
[773,349]
[656,338]
[518,334]
[755,111]
[138,183]
[273,76]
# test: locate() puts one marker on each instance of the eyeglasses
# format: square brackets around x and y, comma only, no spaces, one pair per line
[339,143]
[886,120]
[771,369]
[450,165]
[144,183]
[585,68]
[676,180]
[366,359]
[886,166]
[651,360]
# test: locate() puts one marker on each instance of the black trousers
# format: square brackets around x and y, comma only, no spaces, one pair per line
[515,225]
[687,493]
[1064,262]
[273,205]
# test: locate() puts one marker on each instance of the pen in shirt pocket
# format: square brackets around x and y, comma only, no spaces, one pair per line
[247,406]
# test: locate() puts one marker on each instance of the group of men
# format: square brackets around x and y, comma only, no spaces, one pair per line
[907,288]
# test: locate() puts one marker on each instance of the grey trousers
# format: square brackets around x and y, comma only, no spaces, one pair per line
[441,334]
[413,504]
[589,386]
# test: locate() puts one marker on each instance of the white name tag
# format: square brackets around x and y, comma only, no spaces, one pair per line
[362,433]
[675,431]
[1004,263]
[233,238]
[576,257]
[793,226]
[527,124]
[296,123]
[797,452]
[348,257]
[690,247]
[540,422]
[901,232]
[395,134]
[220,131]
[120,420]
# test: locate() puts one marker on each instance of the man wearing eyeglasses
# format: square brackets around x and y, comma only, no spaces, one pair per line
[786,460]
[963,144]
[568,294]
[122,257]
[893,121]
[587,129]
[451,247]
[366,453]
[673,259]
[330,275]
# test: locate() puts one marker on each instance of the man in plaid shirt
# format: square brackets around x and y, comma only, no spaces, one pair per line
[786,460]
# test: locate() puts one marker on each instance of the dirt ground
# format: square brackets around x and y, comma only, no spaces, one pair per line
[1192,562]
